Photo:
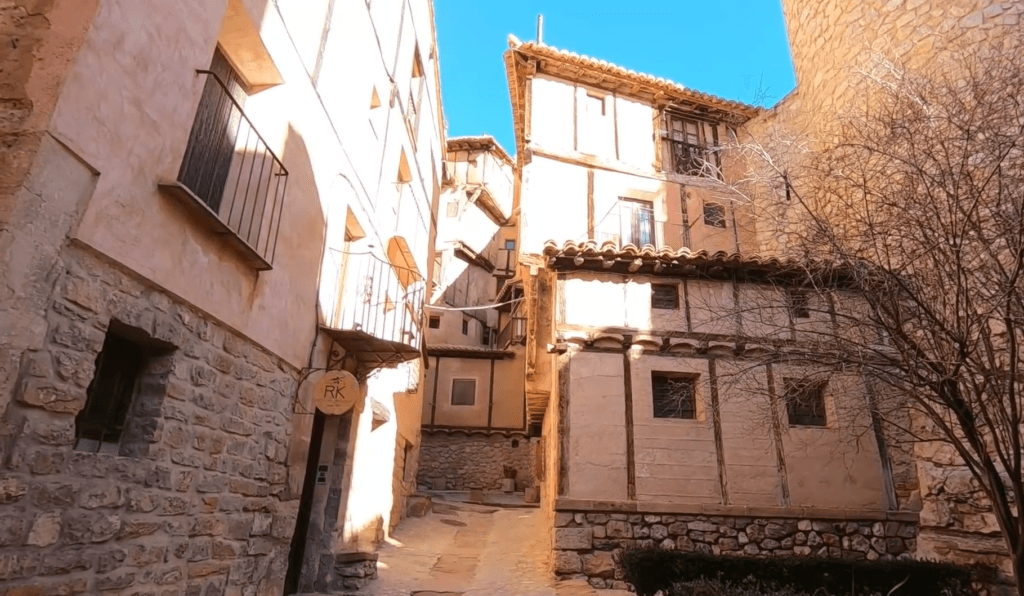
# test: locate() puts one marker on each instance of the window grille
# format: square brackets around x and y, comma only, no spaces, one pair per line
[714,215]
[805,402]
[636,222]
[675,395]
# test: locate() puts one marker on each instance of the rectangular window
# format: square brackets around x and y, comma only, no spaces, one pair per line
[463,392]
[465,326]
[485,335]
[437,269]
[805,402]
[664,296]
[595,105]
[434,322]
[636,222]
[714,215]
[106,422]
[510,245]
[691,147]
[799,303]
[453,209]
[675,395]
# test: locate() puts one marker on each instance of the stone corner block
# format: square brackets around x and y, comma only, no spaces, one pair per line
[574,538]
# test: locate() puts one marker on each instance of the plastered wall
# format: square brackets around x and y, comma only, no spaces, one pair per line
[597,436]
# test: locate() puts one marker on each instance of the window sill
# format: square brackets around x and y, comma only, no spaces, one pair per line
[209,220]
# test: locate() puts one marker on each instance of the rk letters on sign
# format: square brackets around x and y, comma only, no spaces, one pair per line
[337,392]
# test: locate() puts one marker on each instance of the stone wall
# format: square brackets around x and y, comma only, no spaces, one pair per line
[957,522]
[586,544]
[198,508]
[465,460]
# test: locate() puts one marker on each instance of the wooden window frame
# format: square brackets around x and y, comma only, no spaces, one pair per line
[706,147]
[660,303]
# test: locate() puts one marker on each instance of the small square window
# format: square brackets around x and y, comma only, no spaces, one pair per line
[510,245]
[799,303]
[453,209]
[463,392]
[434,322]
[675,395]
[714,215]
[108,423]
[805,402]
[465,326]
[664,296]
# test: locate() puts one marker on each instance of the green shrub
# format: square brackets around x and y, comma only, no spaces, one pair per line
[653,569]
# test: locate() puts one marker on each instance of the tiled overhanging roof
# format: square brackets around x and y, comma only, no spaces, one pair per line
[601,74]
[642,83]
[683,262]
[479,143]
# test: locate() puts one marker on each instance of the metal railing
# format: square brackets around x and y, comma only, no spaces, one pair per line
[229,166]
[694,160]
[375,301]
[515,329]
[629,223]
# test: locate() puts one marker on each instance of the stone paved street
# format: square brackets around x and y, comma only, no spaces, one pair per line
[473,551]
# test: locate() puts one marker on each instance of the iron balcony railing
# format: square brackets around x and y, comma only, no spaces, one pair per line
[380,300]
[230,168]
[515,329]
[694,160]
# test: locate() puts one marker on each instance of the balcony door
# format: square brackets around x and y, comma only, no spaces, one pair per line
[636,222]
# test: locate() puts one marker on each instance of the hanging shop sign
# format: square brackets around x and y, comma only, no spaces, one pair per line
[337,392]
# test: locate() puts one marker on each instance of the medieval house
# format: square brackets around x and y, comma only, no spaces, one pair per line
[636,261]
[474,409]
[205,207]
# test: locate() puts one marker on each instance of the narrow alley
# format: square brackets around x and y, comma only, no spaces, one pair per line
[472,550]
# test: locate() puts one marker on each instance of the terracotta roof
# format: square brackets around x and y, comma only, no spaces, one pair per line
[605,75]
[479,143]
[682,261]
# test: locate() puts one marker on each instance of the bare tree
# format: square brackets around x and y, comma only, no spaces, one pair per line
[903,219]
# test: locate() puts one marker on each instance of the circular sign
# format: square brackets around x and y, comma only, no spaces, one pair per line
[336,393]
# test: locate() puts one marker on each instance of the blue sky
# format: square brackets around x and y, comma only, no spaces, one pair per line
[722,47]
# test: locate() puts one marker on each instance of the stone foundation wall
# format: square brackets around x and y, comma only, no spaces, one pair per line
[198,505]
[587,544]
[463,461]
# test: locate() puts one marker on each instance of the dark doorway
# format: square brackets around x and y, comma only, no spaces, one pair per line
[298,545]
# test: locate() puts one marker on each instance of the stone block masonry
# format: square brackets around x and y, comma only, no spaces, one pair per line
[195,504]
[472,460]
[587,544]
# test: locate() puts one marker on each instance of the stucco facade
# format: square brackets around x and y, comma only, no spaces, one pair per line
[235,290]
[641,273]
[474,412]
